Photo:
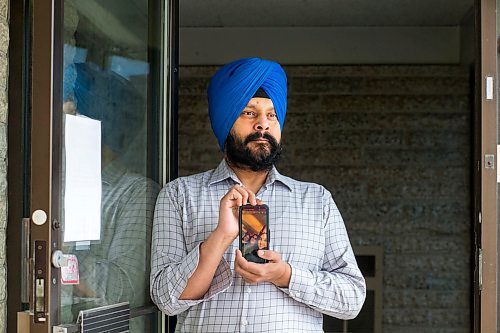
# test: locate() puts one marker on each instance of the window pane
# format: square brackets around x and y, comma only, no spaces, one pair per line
[110,179]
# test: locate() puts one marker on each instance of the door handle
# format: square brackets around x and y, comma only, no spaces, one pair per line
[59,259]
[68,264]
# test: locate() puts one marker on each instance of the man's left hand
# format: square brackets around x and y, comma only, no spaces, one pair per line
[275,271]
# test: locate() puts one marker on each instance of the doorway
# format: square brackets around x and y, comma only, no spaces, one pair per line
[384,94]
[387,97]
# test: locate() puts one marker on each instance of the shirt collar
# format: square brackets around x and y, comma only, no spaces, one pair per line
[223,172]
[112,172]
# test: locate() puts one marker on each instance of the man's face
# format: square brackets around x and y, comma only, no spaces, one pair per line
[254,140]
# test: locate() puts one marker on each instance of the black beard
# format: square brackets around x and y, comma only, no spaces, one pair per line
[239,155]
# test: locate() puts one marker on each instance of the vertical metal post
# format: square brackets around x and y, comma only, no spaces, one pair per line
[171,85]
[41,161]
[18,157]
[489,132]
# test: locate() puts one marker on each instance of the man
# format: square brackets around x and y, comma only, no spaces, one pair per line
[197,270]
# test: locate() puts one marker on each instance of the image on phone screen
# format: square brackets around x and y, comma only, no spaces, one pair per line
[254,233]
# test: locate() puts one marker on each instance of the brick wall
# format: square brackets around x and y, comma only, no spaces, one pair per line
[4,45]
[393,145]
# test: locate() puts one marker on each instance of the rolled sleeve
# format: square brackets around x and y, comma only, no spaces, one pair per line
[337,288]
[172,265]
[168,283]
[334,294]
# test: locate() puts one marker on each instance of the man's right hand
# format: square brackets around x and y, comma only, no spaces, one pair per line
[212,250]
[237,196]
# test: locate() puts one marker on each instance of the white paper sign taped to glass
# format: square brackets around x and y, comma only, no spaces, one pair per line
[82,186]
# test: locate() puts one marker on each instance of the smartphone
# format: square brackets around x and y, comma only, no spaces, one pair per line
[254,231]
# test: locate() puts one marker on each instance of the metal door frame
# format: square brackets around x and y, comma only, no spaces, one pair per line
[44,94]
[44,97]
[17,155]
[35,99]
[31,100]
[485,307]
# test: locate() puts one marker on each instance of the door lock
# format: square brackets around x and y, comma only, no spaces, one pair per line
[40,280]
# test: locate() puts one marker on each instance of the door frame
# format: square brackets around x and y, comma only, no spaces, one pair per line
[43,57]
[17,155]
[29,170]
[487,215]
[46,102]
[35,100]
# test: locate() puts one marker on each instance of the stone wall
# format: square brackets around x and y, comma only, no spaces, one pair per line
[393,145]
[4,69]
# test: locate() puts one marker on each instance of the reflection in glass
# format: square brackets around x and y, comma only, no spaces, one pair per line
[106,75]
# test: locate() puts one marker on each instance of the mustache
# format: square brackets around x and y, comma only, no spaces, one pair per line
[240,155]
[259,135]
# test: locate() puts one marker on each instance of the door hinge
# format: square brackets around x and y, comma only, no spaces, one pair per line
[25,260]
[480,265]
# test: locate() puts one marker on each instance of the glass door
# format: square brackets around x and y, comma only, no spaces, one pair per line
[108,182]
[102,133]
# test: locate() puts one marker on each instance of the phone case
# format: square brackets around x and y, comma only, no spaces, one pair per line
[254,231]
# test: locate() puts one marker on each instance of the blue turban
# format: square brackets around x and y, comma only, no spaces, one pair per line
[235,84]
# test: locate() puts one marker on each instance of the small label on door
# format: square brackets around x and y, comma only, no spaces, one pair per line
[489,88]
[69,273]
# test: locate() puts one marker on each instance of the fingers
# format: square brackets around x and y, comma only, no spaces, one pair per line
[236,198]
[249,277]
[239,258]
[247,195]
[244,193]
[241,267]
[247,266]
[244,265]
[255,273]
[272,256]
[240,195]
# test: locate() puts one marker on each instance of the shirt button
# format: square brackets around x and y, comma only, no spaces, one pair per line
[249,290]
[244,322]
[297,294]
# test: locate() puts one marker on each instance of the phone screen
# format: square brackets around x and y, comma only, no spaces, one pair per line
[254,231]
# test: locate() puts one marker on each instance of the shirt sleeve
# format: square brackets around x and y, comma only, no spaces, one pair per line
[171,262]
[338,289]
[127,257]
[116,270]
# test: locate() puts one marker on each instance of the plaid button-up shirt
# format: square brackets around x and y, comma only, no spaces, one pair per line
[307,230]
